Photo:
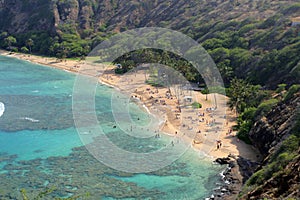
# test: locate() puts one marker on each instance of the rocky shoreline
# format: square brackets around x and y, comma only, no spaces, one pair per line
[238,171]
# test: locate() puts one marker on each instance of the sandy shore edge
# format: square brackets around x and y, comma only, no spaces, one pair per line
[230,144]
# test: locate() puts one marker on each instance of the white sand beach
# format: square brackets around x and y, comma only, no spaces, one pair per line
[206,129]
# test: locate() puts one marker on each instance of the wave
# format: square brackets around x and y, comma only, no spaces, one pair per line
[30,119]
[2,108]
[85,133]
[109,85]
[202,154]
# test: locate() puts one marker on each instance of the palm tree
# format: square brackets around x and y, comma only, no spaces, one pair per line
[237,94]
[29,43]
[242,95]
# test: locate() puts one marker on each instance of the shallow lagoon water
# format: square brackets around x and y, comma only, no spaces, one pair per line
[40,147]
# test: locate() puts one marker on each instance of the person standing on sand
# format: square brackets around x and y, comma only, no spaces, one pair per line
[219,144]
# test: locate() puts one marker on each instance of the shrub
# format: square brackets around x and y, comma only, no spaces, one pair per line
[196,105]
[14,49]
[154,83]
[24,50]
[292,90]
[296,128]
[119,71]
[280,88]
[256,178]
[246,28]
[284,158]
[249,114]
[266,107]
[290,145]
[244,131]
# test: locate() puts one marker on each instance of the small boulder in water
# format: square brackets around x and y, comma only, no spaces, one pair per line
[223,161]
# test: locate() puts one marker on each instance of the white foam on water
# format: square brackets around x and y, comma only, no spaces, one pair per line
[2,108]
[109,85]
[85,133]
[202,154]
[30,119]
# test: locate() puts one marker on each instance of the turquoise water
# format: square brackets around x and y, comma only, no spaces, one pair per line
[40,147]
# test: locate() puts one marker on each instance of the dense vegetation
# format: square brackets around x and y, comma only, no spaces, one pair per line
[261,46]
[259,50]
[278,176]
[252,42]
[253,103]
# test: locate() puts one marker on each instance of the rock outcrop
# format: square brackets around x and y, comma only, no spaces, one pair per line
[234,176]
[277,138]
[19,16]
[257,27]
[286,182]
[268,132]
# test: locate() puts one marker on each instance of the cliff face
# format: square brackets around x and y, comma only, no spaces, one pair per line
[263,25]
[277,136]
[19,16]
[258,30]
[284,185]
[22,15]
[268,132]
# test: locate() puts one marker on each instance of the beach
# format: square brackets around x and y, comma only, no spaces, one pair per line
[207,130]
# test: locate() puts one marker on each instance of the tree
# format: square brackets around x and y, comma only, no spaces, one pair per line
[24,50]
[29,44]
[10,40]
[226,70]
[206,92]
[3,35]
[243,95]
[62,54]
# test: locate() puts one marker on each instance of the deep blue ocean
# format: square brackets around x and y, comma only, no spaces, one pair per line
[40,147]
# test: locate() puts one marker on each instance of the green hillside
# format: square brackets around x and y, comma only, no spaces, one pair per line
[254,43]
[247,38]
